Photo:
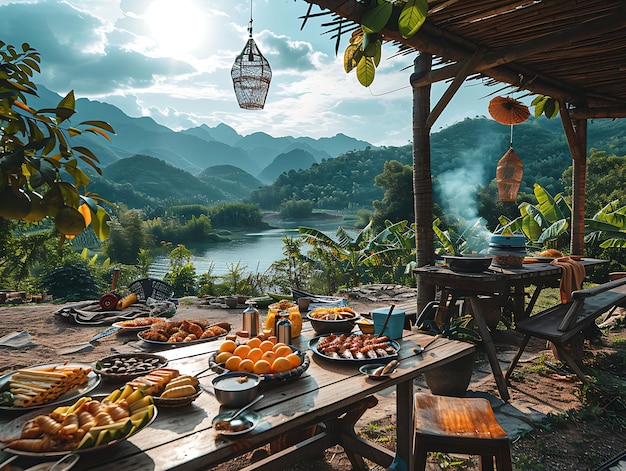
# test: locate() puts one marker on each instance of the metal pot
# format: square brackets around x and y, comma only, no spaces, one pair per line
[236,389]
[468,263]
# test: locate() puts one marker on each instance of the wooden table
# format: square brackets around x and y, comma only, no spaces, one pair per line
[330,393]
[497,282]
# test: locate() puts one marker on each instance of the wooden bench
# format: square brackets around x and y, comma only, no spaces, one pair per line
[559,324]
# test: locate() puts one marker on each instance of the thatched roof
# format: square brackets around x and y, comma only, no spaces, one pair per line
[571,50]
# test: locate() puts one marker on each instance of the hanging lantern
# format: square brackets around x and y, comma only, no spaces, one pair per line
[509,176]
[251,75]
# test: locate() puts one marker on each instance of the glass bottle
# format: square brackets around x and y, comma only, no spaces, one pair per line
[251,319]
[283,328]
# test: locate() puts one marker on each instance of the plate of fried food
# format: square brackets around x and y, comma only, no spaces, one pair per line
[185,332]
[359,348]
[61,430]
[140,323]
[47,384]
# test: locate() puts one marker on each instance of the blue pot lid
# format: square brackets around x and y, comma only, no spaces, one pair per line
[508,240]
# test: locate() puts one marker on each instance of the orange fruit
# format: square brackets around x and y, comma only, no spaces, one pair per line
[278,345]
[262,367]
[272,338]
[228,346]
[246,365]
[222,357]
[232,363]
[242,351]
[281,365]
[266,345]
[255,354]
[283,351]
[254,342]
[269,356]
[294,360]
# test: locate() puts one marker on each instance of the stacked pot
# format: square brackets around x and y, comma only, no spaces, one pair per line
[508,251]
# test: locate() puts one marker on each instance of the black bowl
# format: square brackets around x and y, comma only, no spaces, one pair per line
[468,263]
[323,326]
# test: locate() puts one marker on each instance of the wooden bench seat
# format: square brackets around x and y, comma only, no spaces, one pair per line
[561,323]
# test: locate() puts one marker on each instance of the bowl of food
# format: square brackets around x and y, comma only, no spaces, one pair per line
[236,389]
[327,320]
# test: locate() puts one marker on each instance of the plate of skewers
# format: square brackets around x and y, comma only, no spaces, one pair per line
[359,348]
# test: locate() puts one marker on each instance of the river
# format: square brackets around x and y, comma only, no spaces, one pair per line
[255,250]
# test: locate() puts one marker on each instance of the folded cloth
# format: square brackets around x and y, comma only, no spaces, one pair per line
[90,312]
[571,278]
[17,340]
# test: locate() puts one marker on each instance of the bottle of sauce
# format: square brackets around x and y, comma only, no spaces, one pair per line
[283,328]
[251,319]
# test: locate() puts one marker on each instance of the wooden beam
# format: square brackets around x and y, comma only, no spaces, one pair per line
[452,89]
[601,112]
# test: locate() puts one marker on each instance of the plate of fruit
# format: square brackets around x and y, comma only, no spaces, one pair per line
[272,361]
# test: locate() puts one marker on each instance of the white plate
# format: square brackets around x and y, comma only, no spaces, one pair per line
[93,380]
[136,328]
[14,428]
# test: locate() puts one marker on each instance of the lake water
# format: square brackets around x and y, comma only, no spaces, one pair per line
[256,250]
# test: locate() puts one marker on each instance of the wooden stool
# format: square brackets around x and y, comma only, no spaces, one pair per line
[459,425]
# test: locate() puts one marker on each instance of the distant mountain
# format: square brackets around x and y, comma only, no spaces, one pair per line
[235,183]
[296,159]
[153,177]
[194,149]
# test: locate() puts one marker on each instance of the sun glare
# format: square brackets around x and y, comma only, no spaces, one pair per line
[178,26]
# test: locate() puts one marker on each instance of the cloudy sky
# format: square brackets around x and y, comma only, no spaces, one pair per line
[171,60]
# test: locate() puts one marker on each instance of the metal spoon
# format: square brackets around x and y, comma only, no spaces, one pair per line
[231,423]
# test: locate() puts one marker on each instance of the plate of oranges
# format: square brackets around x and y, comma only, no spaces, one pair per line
[272,361]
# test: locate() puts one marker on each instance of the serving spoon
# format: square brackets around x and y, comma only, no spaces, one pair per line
[233,422]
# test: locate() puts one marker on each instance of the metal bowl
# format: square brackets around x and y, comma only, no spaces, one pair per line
[468,263]
[236,389]
[323,326]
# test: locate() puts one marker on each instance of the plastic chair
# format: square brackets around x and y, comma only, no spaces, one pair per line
[459,425]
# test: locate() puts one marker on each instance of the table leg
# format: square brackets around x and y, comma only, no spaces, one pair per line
[490,348]
[404,427]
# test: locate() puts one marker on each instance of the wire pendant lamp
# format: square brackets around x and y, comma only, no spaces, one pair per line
[251,74]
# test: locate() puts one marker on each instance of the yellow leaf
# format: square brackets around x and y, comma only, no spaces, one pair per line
[365,71]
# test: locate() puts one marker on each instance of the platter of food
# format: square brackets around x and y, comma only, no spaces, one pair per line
[167,387]
[140,323]
[185,332]
[358,348]
[273,364]
[57,431]
[128,365]
[46,385]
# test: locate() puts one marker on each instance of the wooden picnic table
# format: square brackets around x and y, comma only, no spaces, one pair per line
[330,394]
[496,282]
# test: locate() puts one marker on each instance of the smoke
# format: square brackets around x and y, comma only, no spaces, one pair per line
[459,200]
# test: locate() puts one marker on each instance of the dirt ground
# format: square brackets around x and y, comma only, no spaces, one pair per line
[565,447]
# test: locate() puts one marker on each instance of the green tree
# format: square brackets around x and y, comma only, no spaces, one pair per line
[397,204]
[34,148]
[128,236]
[182,274]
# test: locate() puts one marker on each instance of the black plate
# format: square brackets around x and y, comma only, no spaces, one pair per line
[313,346]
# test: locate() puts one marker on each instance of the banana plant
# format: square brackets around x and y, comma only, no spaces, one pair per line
[543,223]
[609,223]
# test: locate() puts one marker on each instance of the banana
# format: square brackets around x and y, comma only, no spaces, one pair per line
[179,391]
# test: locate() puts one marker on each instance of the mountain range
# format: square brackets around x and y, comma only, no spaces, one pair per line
[228,164]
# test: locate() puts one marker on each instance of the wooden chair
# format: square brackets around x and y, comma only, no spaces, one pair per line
[559,324]
[459,425]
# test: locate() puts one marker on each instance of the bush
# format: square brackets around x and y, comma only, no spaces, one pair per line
[71,283]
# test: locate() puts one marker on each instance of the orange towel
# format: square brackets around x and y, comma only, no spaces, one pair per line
[572,277]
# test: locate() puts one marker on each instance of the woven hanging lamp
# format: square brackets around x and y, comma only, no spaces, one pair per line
[251,74]
[510,169]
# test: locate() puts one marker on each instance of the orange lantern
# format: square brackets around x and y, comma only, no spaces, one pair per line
[509,176]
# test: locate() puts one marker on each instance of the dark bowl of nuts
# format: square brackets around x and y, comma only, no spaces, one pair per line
[123,367]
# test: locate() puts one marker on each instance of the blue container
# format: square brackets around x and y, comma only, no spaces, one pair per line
[395,324]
